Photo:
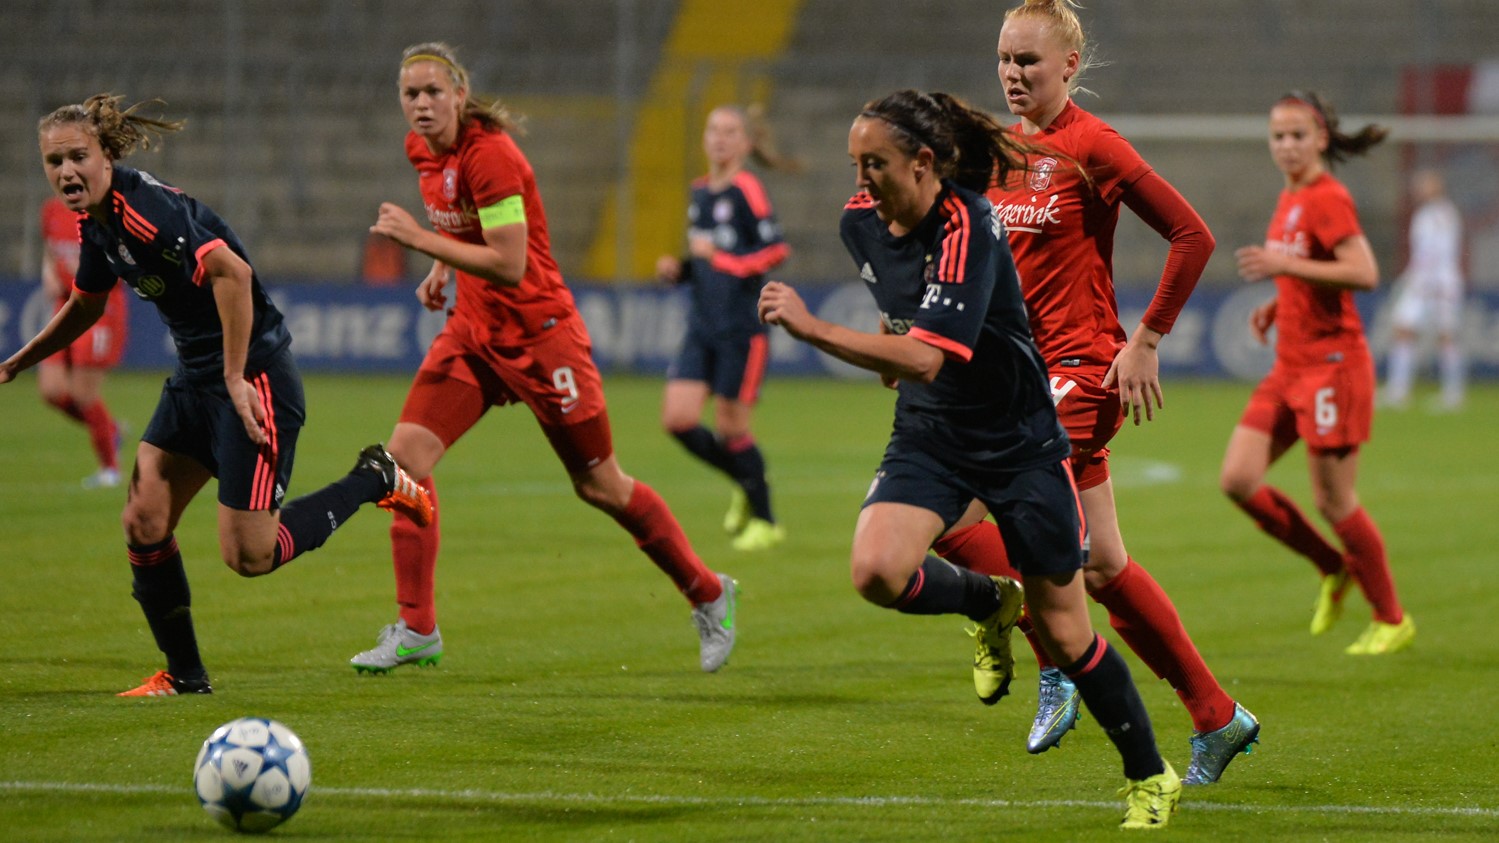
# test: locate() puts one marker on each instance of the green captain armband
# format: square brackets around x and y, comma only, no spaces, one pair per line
[507,211]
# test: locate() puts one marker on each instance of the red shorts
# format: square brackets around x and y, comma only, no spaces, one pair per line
[1091,414]
[1329,404]
[460,379]
[103,344]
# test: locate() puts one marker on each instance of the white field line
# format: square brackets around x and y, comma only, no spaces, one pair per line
[757,801]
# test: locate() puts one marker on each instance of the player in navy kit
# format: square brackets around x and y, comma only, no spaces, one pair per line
[975,418]
[231,410]
[732,242]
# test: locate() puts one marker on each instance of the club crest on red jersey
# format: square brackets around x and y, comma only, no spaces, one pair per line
[450,184]
[1040,178]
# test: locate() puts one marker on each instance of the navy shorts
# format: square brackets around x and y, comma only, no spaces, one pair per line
[196,419]
[1037,510]
[733,367]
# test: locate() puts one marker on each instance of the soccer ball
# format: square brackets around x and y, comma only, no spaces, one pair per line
[252,773]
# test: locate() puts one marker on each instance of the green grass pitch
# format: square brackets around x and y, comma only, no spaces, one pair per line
[569,705]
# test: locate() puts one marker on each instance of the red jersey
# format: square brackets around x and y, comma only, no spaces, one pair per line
[1061,232]
[484,174]
[1311,320]
[62,242]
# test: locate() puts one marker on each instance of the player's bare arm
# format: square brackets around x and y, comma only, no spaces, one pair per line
[889,355]
[1352,268]
[501,259]
[1138,372]
[77,315]
[230,278]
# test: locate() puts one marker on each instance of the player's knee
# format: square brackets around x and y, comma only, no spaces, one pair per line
[602,493]
[1237,485]
[873,579]
[248,562]
[143,526]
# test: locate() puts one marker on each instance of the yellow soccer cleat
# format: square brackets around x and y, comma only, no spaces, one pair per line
[1329,601]
[1149,803]
[738,516]
[993,661]
[1382,638]
[759,534]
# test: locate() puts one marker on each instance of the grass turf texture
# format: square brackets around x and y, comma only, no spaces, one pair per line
[569,705]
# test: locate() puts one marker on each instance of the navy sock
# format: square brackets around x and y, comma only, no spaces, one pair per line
[747,467]
[706,447]
[1108,690]
[160,587]
[308,521]
[939,588]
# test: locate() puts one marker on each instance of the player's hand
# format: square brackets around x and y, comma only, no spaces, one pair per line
[780,305]
[1137,370]
[247,404]
[669,269]
[1261,320]
[431,291]
[1256,263]
[7,372]
[394,222]
[890,381]
[700,245]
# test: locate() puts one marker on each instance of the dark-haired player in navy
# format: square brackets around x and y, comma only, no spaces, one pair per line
[974,419]
[732,242]
[231,410]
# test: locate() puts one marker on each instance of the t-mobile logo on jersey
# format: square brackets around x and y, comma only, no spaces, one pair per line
[1029,216]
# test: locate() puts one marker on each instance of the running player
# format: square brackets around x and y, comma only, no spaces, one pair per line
[513,336]
[974,419]
[1061,214]
[1321,388]
[732,242]
[231,410]
[72,380]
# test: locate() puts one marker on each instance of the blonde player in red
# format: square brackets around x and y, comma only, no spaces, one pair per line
[1060,215]
[1321,388]
[513,336]
[72,380]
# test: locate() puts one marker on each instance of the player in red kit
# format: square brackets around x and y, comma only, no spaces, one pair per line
[1061,214]
[72,380]
[1321,388]
[513,335]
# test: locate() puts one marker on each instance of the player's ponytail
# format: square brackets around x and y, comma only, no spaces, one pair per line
[120,130]
[486,111]
[1339,145]
[968,145]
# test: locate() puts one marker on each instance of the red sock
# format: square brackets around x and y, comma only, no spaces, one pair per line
[980,548]
[1279,516]
[65,405]
[1146,619]
[101,433]
[414,552]
[1028,629]
[1367,563]
[657,532]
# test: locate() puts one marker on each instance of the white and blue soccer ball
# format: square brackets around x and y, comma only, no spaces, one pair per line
[252,774]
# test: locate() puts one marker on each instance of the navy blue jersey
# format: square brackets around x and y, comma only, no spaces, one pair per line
[951,283]
[155,240]
[748,244]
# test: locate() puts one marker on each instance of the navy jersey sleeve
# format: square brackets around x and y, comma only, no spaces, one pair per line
[959,278]
[94,275]
[164,216]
